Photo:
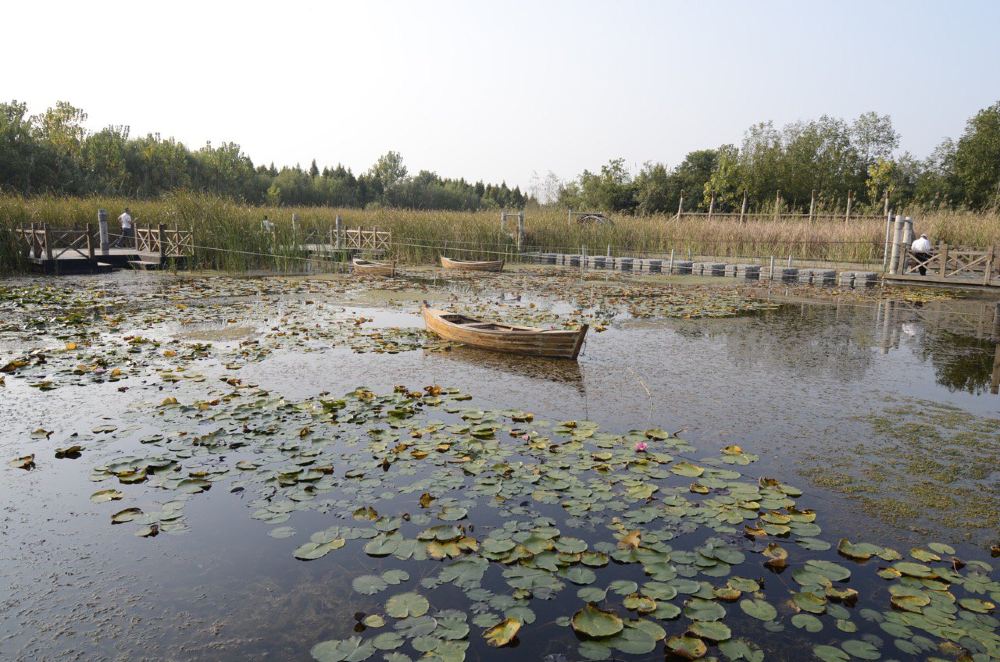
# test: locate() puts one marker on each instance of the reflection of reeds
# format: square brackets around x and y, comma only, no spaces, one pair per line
[229,234]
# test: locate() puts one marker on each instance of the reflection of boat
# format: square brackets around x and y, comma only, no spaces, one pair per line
[369,268]
[556,343]
[511,365]
[472,265]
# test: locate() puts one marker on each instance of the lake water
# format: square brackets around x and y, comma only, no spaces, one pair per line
[884,412]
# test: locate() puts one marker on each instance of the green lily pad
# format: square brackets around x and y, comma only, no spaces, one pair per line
[347,650]
[407,605]
[759,609]
[596,622]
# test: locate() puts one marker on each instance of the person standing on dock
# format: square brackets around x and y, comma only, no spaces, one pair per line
[128,231]
[921,250]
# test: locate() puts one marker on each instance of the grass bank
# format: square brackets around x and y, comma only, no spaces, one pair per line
[228,234]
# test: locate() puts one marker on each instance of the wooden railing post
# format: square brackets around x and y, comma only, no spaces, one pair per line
[162,233]
[33,245]
[90,241]
[989,265]
[943,259]
[47,239]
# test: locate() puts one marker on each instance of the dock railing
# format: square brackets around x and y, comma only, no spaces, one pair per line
[958,264]
[41,242]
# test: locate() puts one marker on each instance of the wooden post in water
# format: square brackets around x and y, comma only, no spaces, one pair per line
[812,204]
[897,234]
[885,248]
[102,229]
[772,267]
[161,232]
[670,265]
[995,380]
[743,209]
[48,241]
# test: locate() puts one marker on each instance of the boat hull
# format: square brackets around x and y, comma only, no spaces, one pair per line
[554,343]
[368,268]
[472,265]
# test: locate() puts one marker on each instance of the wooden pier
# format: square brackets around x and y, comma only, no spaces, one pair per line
[74,251]
[952,266]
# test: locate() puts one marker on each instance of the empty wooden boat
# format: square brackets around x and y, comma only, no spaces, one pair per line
[557,343]
[471,265]
[370,268]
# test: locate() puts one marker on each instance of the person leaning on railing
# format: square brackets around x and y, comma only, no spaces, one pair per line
[921,250]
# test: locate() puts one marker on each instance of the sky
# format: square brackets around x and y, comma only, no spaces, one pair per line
[500,90]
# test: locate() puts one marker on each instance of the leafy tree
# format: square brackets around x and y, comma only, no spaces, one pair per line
[388,170]
[977,158]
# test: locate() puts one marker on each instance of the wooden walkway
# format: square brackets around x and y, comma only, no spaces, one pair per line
[78,251]
[951,266]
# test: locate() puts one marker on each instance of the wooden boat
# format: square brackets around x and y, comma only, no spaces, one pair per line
[557,343]
[369,268]
[472,265]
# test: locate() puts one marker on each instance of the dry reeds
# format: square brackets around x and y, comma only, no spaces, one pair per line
[229,236]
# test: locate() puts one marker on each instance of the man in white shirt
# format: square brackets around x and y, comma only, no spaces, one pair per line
[128,232]
[921,250]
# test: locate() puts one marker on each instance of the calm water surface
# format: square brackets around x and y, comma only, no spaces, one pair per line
[796,386]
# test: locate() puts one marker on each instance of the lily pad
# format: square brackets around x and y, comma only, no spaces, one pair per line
[596,622]
[407,605]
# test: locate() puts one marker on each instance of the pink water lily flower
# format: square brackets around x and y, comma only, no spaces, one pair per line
[641,447]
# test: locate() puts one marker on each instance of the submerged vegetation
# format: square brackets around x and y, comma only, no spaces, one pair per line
[925,465]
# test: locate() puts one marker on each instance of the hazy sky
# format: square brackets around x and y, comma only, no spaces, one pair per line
[497,90]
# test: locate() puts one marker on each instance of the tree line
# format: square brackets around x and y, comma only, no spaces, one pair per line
[53,153]
[827,160]
[824,160]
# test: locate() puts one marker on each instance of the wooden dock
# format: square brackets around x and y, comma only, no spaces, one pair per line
[75,251]
[950,266]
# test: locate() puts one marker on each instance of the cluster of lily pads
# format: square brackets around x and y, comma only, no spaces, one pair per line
[638,546]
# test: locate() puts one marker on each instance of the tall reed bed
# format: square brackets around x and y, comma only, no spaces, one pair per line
[229,236]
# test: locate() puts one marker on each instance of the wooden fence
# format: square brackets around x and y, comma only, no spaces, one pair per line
[367,240]
[744,217]
[952,265]
[42,242]
[163,242]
